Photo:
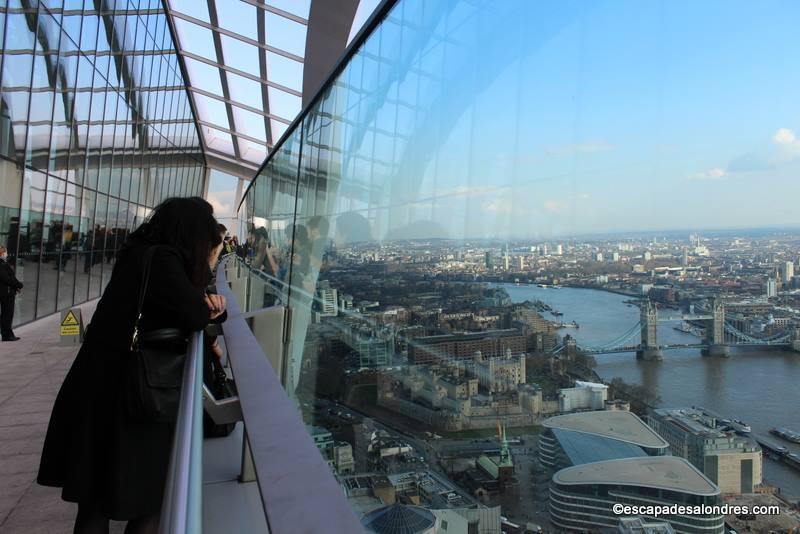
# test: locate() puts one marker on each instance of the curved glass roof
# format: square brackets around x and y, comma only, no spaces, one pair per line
[621,426]
[244,63]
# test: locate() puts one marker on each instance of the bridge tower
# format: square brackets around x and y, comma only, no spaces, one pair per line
[648,348]
[715,331]
[796,339]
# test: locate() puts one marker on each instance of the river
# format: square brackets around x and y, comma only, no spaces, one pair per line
[759,387]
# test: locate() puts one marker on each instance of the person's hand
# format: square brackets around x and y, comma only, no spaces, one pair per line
[216,349]
[216,304]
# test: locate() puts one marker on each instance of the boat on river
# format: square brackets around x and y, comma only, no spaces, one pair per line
[785,433]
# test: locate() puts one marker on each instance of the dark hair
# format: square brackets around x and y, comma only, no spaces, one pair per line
[222,228]
[320,224]
[187,224]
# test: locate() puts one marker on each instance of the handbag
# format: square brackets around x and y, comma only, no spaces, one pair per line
[154,366]
[221,387]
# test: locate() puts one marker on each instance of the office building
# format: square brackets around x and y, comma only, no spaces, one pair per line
[614,456]
[787,272]
[582,497]
[490,343]
[771,288]
[637,525]
[584,396]
[731,461]
[328,301]
[586,437]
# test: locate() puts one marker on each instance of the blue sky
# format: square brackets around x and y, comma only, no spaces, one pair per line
[571,117]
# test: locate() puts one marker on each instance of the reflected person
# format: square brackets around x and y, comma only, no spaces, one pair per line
[9,287]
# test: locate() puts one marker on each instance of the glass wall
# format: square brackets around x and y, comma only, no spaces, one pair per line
[95,129]
[472,159]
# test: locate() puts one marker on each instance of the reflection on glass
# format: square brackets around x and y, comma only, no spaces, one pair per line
[75,120]
[473,158]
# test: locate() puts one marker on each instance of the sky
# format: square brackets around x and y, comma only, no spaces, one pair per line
[539,119]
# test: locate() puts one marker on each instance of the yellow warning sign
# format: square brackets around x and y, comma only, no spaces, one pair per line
[70,326]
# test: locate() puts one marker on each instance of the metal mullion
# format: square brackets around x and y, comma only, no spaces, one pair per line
[134,94]
[285,14]
[223,76]
[240,105]
[47,174]
[235,133]
[134,155]
[115,46]
[36,14]
[241,73]
[76,133]
[227,157]
[262,67]
[186,80]
[149,129]
[215,27]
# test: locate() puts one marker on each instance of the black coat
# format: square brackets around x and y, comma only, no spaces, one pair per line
[8,281]
[97,454]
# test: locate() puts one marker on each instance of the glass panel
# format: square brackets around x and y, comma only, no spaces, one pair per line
[240,55]
[284,71]
[85,244]
[195,39]
[252,152]
[249,123]
[193,8]
[211,110]
[95,246]
[295,7]
[203,76]
[69,247]
[239,17]
[217,140]
[52,242]
[283,104]
[245,91]
[30,241]
[278,129]
[285,34]
[474,157]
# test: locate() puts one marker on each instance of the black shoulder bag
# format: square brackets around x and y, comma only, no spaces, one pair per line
[154,366]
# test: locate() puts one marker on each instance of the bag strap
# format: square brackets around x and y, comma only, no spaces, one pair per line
[148,261]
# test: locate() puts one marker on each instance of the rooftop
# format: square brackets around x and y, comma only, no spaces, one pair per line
[662,472]
[399,519]
[622,426]
[582,448]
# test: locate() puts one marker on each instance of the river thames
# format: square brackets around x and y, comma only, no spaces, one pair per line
[759,387]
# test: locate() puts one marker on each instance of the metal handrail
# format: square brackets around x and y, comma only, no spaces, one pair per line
[181,510]
[298,491]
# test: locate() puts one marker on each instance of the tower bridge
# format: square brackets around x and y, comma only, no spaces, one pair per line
[720,335]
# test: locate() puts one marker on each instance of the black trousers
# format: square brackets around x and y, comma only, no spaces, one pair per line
[6,315]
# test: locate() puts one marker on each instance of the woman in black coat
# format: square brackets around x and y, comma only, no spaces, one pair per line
[113,466]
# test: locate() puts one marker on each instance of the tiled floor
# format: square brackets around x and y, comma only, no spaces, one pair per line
[31,371]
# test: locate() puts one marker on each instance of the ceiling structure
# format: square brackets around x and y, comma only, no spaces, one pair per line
[251,65]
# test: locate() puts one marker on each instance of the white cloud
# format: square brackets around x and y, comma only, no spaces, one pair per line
[585,147]
[785,136]
[499,205]
[555,206]
[222,202]
[717,173]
